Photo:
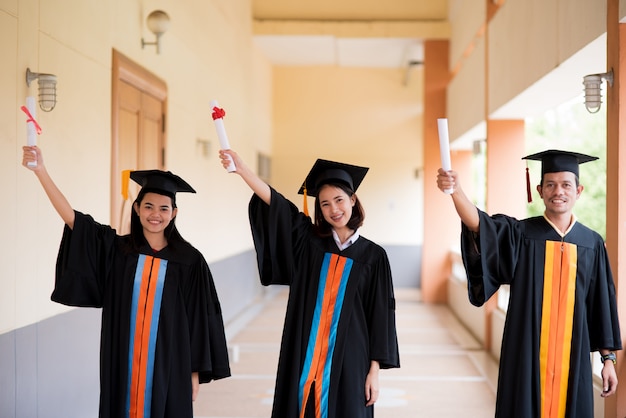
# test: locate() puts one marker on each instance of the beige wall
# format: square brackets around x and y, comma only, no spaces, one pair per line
[362,116]
[365,117]
[466,91]
[527,39]
[544,33]
[206,54]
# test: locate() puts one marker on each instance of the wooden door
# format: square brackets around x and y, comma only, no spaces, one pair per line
[138,131]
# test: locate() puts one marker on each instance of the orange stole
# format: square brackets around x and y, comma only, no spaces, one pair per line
[317,365]
[557,317]
[144,324]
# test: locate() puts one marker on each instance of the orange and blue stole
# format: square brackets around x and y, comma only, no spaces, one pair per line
[557,317]
[144,326]
[322,338]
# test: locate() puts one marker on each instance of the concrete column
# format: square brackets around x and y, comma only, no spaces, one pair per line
[615,406]
[506,185]
[441,225]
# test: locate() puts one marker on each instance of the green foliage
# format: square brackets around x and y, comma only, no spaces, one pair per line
[570,127]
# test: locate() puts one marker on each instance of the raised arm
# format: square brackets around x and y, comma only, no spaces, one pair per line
[464,207]
[58,200]
[258,186]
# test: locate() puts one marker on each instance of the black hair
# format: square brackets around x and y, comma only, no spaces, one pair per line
[323,228]
[137,238]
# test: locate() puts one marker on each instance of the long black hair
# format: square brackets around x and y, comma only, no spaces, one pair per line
[323,228]
[137,238]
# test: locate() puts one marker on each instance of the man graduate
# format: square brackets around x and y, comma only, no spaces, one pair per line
[562,302]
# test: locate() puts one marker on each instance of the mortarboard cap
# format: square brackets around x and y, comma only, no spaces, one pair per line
[554,161]
[163,181]
[324,172]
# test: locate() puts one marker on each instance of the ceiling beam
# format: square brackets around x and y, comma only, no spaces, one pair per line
[354,29]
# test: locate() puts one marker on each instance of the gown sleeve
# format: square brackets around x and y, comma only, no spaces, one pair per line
[209,353]
[490,257]
[279,232]
[604,330]
[383,337]
[83,263]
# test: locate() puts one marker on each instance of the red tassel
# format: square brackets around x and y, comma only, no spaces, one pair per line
[305,206]
[529,195]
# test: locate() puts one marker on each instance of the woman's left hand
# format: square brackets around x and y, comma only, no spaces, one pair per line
[371,384]
[195,385]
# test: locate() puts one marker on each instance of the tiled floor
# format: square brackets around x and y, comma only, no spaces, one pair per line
[444,372]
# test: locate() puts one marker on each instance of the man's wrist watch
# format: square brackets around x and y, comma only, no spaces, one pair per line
[611,356]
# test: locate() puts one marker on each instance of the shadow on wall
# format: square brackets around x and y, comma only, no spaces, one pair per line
[406,265]
[51,368]
[237,283]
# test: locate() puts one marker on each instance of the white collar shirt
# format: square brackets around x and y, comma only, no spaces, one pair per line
[348,242]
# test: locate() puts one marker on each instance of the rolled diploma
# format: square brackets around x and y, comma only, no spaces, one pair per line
[221,135]
[31,130]
[444,147]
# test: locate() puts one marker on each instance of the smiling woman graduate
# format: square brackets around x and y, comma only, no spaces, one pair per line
[340,324]
[162,330]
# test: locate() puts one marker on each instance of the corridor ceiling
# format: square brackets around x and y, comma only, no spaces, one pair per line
[390,34]
[351,33]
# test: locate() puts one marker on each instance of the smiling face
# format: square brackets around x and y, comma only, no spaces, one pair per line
[336,206]
[559,192]
[155,213]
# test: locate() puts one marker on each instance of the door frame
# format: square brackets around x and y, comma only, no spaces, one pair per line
[126,70]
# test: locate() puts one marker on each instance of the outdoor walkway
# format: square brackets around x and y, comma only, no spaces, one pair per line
[444,372]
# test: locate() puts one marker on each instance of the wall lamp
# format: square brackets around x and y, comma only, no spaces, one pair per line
[158,23]
[593,89]
[47,89]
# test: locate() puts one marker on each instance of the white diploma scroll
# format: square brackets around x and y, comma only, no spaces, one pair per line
[218,118]
[444,147]
[31,128]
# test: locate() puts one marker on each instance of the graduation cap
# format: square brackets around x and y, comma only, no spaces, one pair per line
[554,161]
[325,171]
[165,182]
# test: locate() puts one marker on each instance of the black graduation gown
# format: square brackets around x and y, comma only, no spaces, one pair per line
[361,319]
[182,330]
[533,258]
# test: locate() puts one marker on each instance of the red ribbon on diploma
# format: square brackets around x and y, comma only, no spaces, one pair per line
[218,113]
[31,119]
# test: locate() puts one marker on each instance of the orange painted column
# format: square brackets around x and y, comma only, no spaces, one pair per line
[506,184]
[506,171]
[441,223]
[615,406]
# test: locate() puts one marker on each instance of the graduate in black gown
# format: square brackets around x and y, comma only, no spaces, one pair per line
[562,302]
[340,322]
[162,330]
